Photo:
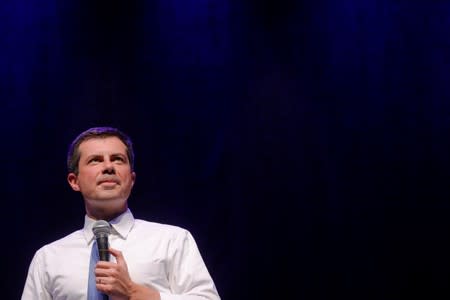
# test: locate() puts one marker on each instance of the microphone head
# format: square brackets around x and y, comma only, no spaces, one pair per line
[101,227]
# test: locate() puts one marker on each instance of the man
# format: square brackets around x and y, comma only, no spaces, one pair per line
[148,260]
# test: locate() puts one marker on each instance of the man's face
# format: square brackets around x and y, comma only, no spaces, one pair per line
[104,178]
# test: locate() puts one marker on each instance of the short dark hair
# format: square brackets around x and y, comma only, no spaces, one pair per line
[73,155]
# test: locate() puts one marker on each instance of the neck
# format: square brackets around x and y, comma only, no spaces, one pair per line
[106,214]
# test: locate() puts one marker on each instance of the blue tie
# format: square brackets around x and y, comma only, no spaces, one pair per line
[92,292]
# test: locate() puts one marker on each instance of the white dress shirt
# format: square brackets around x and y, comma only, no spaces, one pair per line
[162,256]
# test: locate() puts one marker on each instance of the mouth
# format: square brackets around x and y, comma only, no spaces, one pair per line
[108,181]
[107,185]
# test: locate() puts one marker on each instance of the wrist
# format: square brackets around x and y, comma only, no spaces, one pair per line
[141,292]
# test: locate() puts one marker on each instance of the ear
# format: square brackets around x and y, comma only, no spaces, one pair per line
[72,178]
[133,178]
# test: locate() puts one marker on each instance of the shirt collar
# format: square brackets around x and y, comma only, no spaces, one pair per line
[121,226]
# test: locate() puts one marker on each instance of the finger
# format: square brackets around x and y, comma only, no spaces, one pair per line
[118,255]
[101,280]
[104,268]
[99,272]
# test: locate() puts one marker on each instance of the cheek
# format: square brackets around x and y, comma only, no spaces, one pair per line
[87,178]
[89,172]
[129,181]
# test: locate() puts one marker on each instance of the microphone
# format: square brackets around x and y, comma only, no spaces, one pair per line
[101,231]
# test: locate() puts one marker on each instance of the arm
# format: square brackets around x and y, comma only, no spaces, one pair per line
[187,274]
[114,280]
[35,288]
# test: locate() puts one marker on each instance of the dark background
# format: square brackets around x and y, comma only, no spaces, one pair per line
[305,144]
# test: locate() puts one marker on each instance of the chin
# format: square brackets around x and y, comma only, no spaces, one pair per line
[105,208]
[111,200]
[107,202]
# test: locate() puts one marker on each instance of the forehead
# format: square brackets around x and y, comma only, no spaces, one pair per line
[101,146]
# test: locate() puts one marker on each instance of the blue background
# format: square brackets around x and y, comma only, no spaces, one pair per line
[305,144]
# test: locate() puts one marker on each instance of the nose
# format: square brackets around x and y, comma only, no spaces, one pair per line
[108,167]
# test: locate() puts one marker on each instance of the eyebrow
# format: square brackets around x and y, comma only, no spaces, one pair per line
[101,155]
[119,154]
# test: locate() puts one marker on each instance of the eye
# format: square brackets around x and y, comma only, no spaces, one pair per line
[93,160]
[118,158]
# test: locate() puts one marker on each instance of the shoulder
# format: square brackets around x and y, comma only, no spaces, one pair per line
[167,230]
[72,240]
[174,239]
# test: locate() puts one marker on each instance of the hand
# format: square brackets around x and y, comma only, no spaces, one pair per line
[114,280]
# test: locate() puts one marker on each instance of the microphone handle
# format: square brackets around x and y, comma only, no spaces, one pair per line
[103,245]
[103,253]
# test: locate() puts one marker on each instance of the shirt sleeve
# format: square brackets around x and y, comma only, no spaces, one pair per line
[189,278]
[35,288]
